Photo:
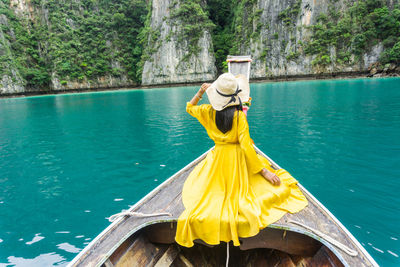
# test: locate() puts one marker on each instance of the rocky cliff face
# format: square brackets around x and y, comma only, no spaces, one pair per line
[278,49]
[278,40]
[60,45]
[170,59]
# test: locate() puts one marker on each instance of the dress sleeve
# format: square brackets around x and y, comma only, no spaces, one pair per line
[200,112]
[253,162]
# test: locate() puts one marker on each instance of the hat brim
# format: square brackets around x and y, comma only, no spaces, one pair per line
[244,86]
[219,102]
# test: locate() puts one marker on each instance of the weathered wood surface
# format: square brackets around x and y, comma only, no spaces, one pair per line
[200,255]
[168,199]
[141,253]
[283,240]
[287,241]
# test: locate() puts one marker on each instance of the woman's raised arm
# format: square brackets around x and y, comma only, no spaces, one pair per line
[196,98]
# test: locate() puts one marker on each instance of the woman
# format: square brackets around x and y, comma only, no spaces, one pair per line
[233,192]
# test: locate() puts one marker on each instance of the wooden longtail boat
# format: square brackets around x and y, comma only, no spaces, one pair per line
[149,241]
[311,237]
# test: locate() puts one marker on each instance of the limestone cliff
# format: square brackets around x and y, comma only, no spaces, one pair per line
[169,58]
[50,45]
[282,30]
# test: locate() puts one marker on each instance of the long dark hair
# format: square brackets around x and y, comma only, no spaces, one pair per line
[224,118]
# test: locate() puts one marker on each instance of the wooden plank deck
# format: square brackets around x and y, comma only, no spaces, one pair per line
[167,198]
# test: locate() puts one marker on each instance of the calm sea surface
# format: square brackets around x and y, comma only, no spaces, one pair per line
[69,161]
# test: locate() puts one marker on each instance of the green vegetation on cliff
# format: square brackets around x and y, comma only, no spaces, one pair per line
[75,41]
[220,13]
[193,19]
[289,15]
[363,25]
[147,40]
[86,41]
[24,50]
[237,22]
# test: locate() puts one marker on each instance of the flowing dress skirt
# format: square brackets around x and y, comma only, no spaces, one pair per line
[223,200]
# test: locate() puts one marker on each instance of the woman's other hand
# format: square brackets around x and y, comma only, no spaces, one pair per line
[271,177]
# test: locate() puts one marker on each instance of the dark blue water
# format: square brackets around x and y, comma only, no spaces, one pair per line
[69,161]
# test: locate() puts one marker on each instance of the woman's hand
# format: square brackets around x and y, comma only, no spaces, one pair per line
[271,177]
[200,93]
[204,87]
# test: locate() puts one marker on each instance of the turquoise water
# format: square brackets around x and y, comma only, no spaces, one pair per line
[69,161]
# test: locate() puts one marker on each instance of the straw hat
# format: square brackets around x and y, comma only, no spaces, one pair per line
[228,90]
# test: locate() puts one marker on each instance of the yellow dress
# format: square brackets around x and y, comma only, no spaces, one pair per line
[225,197]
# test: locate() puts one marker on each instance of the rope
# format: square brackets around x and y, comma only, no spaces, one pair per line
[227,254]
[334,242]
[137,214]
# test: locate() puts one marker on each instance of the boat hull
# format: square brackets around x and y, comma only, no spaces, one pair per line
[117,240]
